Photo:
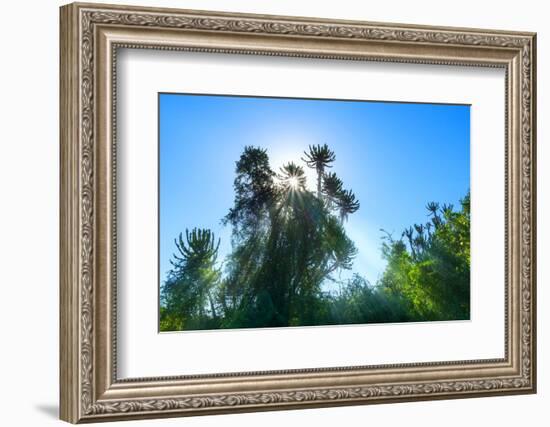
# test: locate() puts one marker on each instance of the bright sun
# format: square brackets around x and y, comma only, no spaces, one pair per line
[293,182]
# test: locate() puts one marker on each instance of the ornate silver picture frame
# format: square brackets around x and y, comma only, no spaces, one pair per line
[91,36]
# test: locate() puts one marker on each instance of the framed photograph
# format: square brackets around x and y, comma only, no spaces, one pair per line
[265,212]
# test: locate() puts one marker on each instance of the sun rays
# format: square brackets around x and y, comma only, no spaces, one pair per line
[293,183]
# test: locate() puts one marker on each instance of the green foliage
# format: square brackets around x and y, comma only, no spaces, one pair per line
[430,264]
[191,282]
[275,272]
[289,242]
[358,302]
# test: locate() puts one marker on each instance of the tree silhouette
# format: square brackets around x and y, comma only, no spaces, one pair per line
[190,283]
[275,272]
[347,203]
[332,188]
[319,157]
[199,247]
[254,191]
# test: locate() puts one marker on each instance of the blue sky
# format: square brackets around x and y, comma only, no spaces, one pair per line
[396,157]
